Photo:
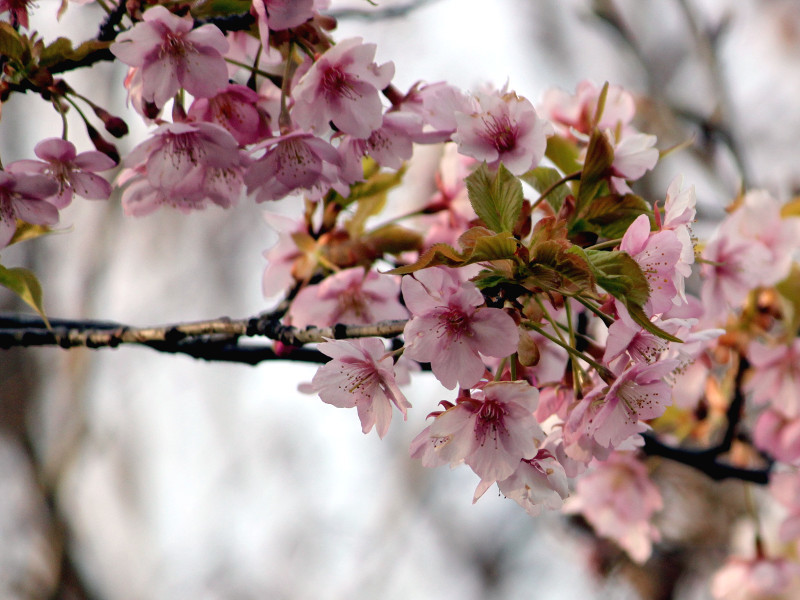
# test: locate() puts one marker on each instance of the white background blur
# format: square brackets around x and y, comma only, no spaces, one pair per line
[182,479]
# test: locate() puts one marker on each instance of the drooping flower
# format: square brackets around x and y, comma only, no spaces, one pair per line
[72,172]
[293,162]
[185,165]
[538,484]
[361,374]
[352,297]
[172,54]
[343,86]
[618,500]
[25,197]
[503,127]
[450,331]
[634,155]
[491,431]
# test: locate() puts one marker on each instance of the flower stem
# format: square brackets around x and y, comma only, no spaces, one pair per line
[554,185]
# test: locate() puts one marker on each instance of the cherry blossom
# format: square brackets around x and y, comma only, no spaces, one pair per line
[731,268]
[292,258]
[18,10]
[184,165]
[538,484]
[280,14]
[172,55]
[236,108]
[491,431]
[575,113]
[343,86]
[758,578]
[657,254]
[73,172]
[437,103]
[361,374]
[293,162]
[503,127]
[448,330]
[634,155]
[352,297]
[679,214]
[778,436]
[775,376]
[618,500]
[25,197]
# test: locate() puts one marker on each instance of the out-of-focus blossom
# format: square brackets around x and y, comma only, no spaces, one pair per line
[25,197]
[18,10]
[679,214]
[778,436]
[618,500]
[502,127]
[352,297]
[538,484]
[361,374]
[491,431]
[448,329]
[575,113]
[72,172]
[172,54]
[343,86]
[775,376]
[758,578]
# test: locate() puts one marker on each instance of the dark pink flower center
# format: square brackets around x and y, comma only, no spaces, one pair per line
[175,45]
[454,323]
[336,83]
[500,133]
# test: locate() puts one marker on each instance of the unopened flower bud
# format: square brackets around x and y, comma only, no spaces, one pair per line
[102,145]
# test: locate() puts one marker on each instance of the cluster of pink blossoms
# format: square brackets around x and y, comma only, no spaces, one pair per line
[563,324]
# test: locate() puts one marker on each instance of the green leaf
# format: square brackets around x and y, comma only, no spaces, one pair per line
[596,167]
[495,197]
[542,178]
[28,231]
[789,289]
[563,153]
[25,285]
[555,268]
[392,239]
[610,216]
[55,52]
[11,46]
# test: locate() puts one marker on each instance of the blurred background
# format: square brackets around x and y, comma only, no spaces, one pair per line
[127,474]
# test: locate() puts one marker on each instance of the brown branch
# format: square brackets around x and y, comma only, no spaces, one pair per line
[217,339]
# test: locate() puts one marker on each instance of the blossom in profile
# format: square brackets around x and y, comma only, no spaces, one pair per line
[491,431]
[172,54]
[618,500]
[352,297]
[503,127]
[236,108]
[25,197]
[574,113]
[450,329]
[360,375]
[343,86]
[72,172]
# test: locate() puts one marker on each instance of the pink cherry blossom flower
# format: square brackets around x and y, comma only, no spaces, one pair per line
[731,268]
[657,254]
[576,112]
[25,197]
[292,258]
[778,436]
[618,500]
[71,171]
[352,297]
[538,484]
[634,155]
[236,108]
[639,393]
[448,329]
[18,10]
[293,162]
[185,165]
[361,374]
[775,376]
[758,578]
[491,431]
[280,14]
[172,55]
[503,127]
[784,486]
[437,104]
[679,214]
[343,86]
